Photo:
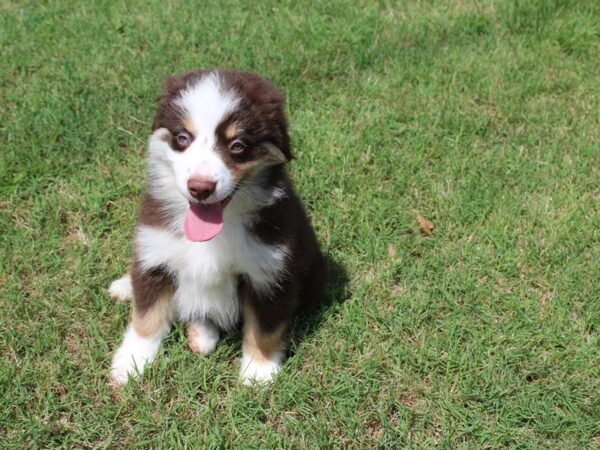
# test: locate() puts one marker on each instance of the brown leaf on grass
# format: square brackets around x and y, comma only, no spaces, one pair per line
[58,389]
[426,226]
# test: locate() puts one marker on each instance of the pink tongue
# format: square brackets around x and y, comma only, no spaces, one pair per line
[203,222]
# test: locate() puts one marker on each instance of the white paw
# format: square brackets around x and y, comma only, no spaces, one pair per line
[121,289]
[261,371]
[123,366]
[133,354]
[203,337]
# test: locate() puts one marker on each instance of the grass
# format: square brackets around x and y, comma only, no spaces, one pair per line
[482,116]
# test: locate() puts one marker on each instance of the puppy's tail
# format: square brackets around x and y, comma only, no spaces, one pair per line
[121,289]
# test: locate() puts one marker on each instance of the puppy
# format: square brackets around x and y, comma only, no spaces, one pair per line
[221,234]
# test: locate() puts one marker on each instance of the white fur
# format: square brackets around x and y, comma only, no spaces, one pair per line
[276,194]
[134,353]
[203,336]
[260,371]
[207,271]
[247,199]
[121,289]
[206,104]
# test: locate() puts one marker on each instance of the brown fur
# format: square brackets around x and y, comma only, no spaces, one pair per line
[150,212]
[258,343]
[149,287]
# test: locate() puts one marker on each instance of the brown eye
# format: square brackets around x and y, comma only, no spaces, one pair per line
[237,147]
[183,139]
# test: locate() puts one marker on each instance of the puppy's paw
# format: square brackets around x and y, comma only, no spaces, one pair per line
[124,365]
[203,337]
[260,370]
[121,289]
[131,357]
[120,371]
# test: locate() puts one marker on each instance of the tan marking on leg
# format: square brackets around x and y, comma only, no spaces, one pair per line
[258,345]
[189,125]
[158,316]
[233,130]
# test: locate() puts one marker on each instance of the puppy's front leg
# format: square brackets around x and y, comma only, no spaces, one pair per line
[151,321]
[265,328]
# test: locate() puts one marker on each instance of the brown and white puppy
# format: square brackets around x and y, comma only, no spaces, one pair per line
[221,234]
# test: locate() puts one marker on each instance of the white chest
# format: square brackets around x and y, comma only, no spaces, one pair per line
[206,272]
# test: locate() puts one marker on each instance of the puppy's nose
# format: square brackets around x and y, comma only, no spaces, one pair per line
[201,188]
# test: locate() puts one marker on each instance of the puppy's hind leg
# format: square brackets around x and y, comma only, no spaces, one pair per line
[203,336]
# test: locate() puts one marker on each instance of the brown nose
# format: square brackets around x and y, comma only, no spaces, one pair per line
[200,188]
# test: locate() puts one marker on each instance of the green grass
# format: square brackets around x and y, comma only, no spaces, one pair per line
[483,116]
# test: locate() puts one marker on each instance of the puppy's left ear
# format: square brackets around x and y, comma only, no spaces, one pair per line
[270,106]
[275,155]
[275,110]
[283,138]
[285,147]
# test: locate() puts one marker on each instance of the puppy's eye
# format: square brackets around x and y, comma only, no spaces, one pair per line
[183,139]
[237,147]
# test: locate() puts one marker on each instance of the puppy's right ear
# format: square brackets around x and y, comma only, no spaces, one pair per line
[173,84]
[166,105]
[171,88]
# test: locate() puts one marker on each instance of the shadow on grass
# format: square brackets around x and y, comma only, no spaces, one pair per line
[335,294]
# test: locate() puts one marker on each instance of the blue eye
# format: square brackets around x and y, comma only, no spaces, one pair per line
[183,139]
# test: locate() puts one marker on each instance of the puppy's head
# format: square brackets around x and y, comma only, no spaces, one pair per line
[215,131]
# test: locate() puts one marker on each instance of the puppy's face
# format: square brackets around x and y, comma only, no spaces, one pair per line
[214,131]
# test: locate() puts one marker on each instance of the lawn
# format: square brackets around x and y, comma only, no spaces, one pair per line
[481,116]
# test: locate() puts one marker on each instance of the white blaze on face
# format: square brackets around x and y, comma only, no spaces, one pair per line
[204,106]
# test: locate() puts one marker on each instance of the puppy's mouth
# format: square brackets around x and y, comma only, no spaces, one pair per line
[203,221]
